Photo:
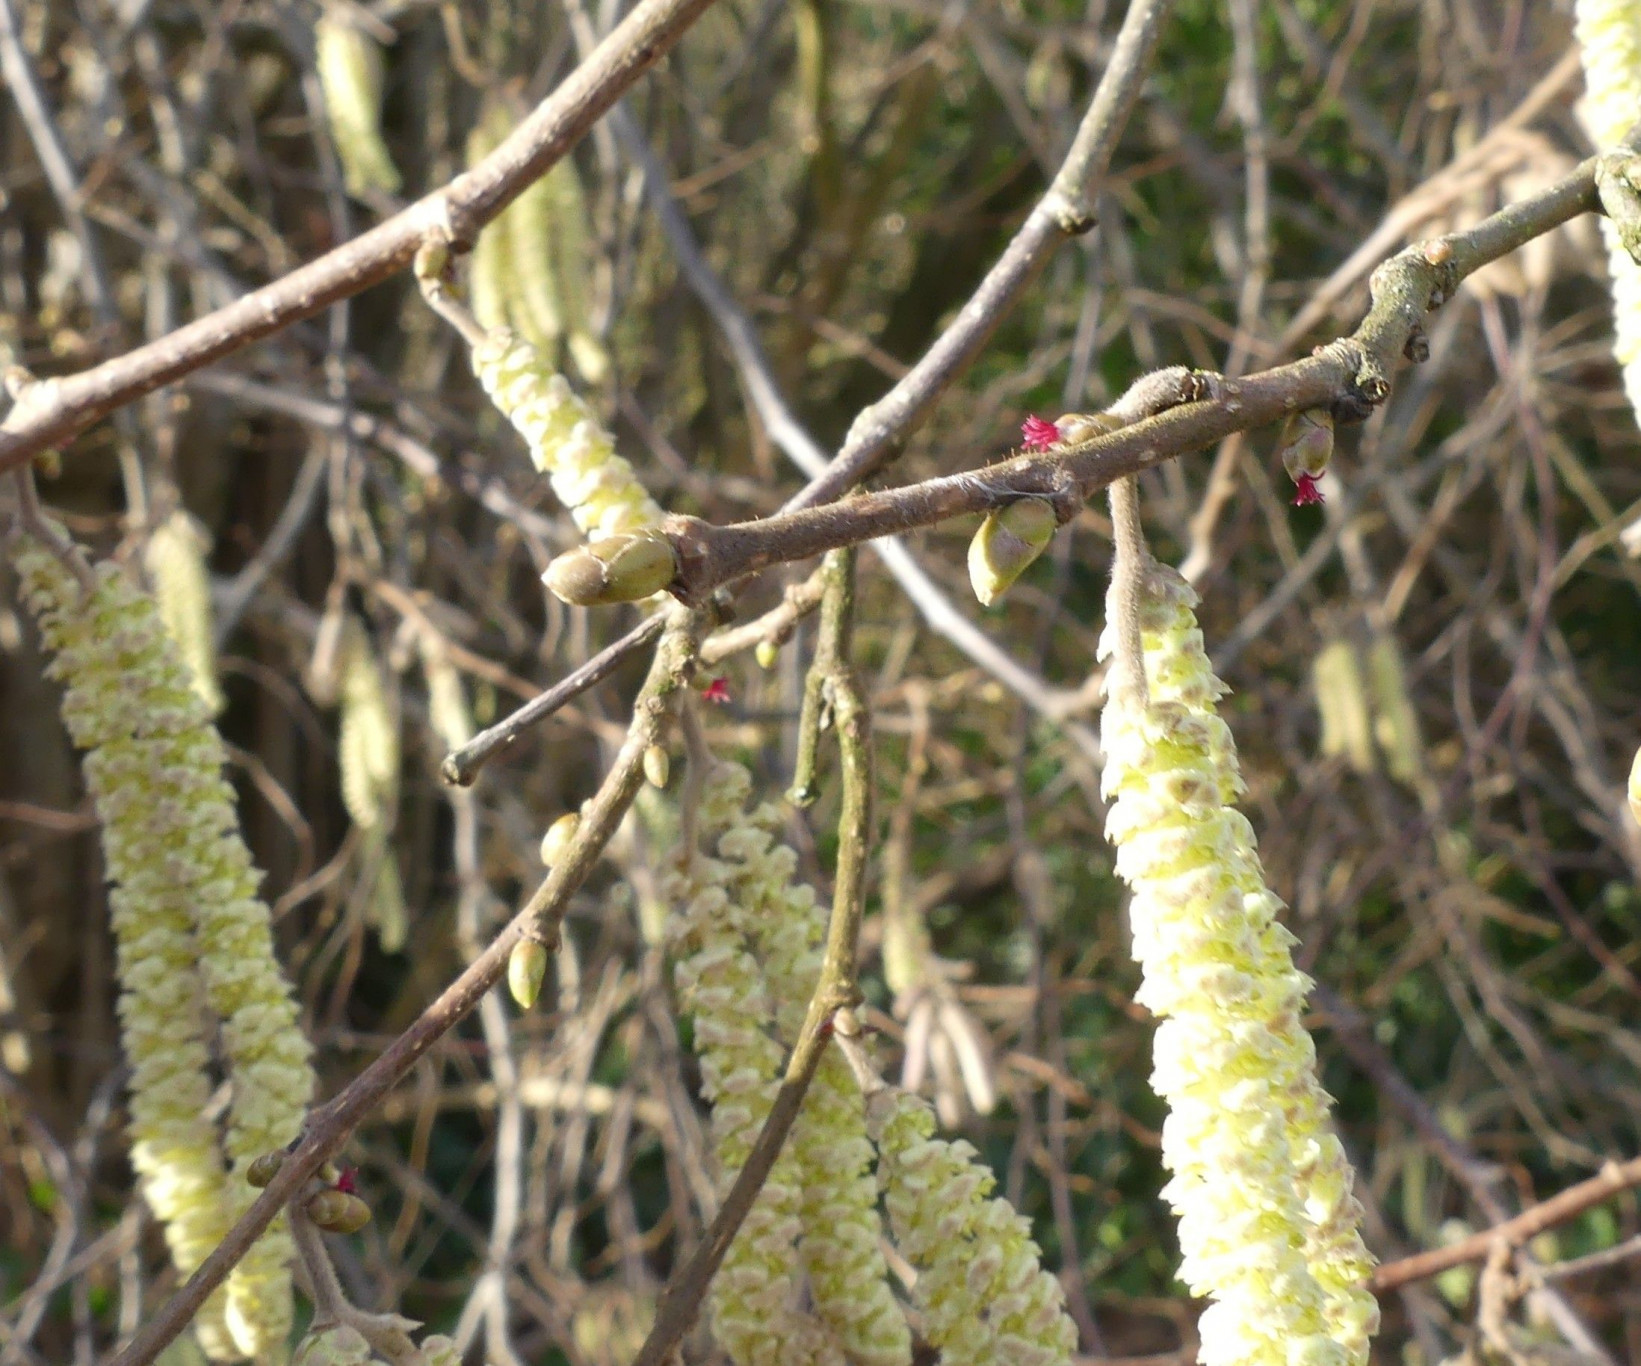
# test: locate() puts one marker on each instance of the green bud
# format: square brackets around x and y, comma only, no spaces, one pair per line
[1079,427]
[624,568]
[1306,443]
[338,1211]
[556,842]
[1006,544]
[766,652]
[657,766]
[262,1169]
[526,970]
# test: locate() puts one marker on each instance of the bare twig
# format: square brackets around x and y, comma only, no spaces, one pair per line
[55,409]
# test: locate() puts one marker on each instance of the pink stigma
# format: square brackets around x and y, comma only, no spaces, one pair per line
[1039,435]
[717,691]
[1306,491]
[347,1181]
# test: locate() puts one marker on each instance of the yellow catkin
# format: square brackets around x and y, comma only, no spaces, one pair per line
[1609,37]
[490,266]
[175,560]
[368,743]
[756,1317]
[350,72]
[193,939]
[1342,700]
[840,1245]
[572,247]
[984,1295]
[1395,722]
[566,439]
[367,752]
[1269,1227]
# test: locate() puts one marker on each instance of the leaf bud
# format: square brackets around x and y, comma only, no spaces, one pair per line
[657,766]
[263,1169]
[338,1211]
[1006,544]
[1306,443]
[526,970]
[766,652]
[556,842]
[627,567]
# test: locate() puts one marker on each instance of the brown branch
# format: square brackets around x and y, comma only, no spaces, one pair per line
[1064,211]
[330,1125]
[1349,376]
[1614,1178]
[50,412]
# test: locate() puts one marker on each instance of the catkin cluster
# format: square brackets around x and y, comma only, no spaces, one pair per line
[748,942]
[195,944]
[566,439]
[350,73]
[1269,1226]
[175,561]
[532,263]
[1609,38]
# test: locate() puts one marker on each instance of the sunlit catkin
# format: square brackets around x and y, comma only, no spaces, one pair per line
[756,1317]
[193,939]
[175,560]
[1269,1227]
[1609,37]
[984,1295]
[840,1246]
[566,439]
[350,73]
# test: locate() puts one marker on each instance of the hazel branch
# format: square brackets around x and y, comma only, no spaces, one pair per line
[1349,377]
[837,989]
[51,411]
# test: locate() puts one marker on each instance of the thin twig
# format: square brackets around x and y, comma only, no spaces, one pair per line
[53,410]
[836,990]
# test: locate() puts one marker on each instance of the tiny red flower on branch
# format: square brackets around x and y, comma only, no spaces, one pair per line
[1039,433]
[717,691]
[1306,491]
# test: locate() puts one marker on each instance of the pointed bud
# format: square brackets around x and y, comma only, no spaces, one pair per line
[1075,428]
[766,652]
[1635,788]
[263,1169]
[657,766]
[623,568]
[1006,544]
[338,1212]
[526,970]
[1306,445]
[556,842]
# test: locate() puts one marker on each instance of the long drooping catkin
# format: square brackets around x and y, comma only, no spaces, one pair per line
[194,941]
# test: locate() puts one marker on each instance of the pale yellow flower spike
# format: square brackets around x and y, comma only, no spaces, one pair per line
[841,1241]
[1269,1227]
[755,1316]
[367,752]
[566,440]
[1609,37]
[985,1298]
[175,560]
[184,912]
[350,72]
